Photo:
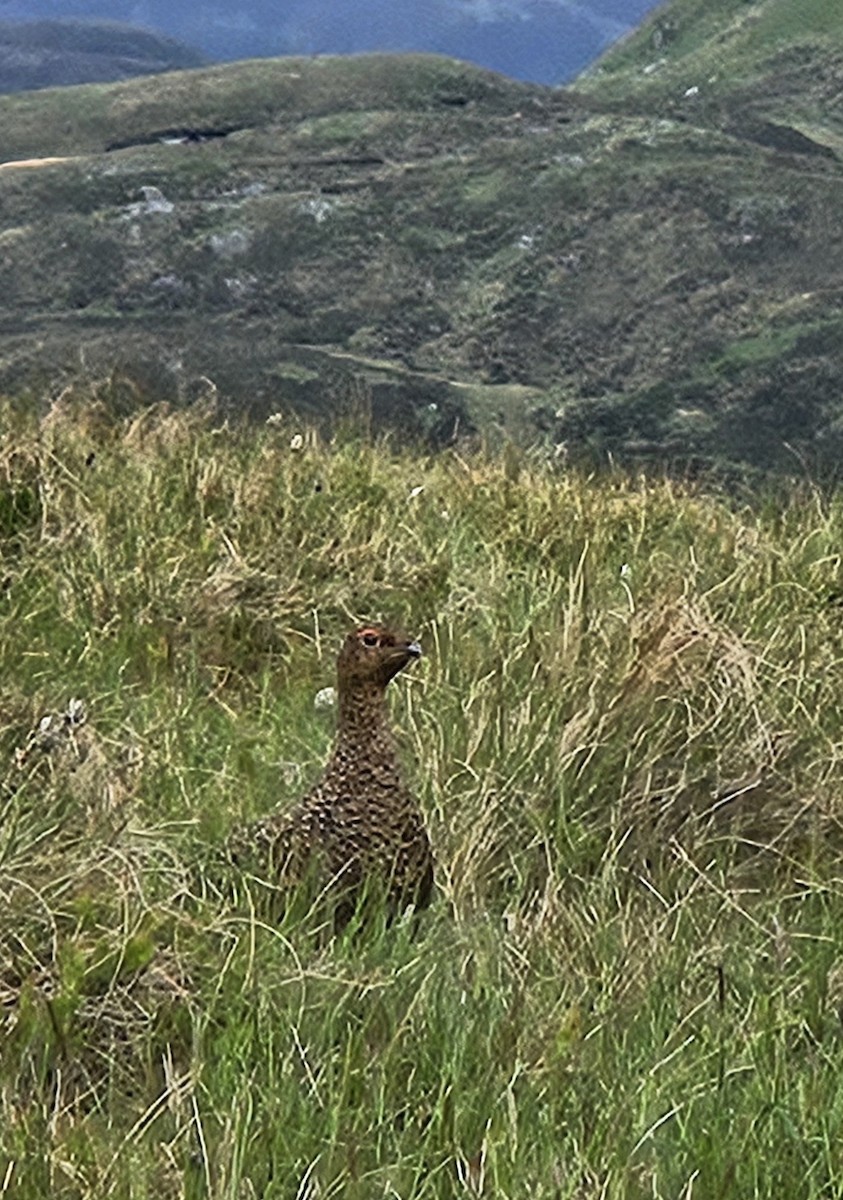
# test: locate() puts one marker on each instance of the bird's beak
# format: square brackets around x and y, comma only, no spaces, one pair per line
[399,656]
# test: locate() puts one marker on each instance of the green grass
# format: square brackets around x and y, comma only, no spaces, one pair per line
[780,20]
[625,734]
[697,28]
[767,52]
[85,119]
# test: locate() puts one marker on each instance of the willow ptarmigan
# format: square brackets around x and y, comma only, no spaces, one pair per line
[359,827]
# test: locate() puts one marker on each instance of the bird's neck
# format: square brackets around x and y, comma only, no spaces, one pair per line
[362,711]
[363,721]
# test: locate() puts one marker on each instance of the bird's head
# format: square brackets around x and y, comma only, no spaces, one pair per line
[372,654]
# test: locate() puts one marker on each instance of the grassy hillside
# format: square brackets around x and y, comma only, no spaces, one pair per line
[625,735]
[774,55]
[648,265]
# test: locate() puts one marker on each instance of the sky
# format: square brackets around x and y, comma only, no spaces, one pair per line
[545,41]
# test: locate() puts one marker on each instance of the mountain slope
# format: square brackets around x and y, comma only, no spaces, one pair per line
[777,55]
[616,267]
[39,54]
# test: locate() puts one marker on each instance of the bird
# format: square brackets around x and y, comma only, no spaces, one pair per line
[359,830]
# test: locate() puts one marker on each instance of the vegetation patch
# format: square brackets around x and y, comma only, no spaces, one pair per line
[656,241]
[624,733]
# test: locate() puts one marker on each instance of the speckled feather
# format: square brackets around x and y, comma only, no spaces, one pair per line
[360,824]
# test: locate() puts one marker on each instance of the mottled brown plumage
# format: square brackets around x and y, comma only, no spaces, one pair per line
[359,827]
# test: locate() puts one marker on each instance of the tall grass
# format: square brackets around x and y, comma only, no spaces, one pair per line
[625,734]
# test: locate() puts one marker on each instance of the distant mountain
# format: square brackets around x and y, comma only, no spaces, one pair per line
[40,54]
[545,41]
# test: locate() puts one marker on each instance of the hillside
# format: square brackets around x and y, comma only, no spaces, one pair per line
[776,58]
[39,54]
[624,729]
[648,264]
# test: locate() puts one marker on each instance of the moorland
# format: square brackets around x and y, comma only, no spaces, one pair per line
[644,265]
[552,380]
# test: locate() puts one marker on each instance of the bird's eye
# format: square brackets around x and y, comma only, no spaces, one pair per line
[369,639]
